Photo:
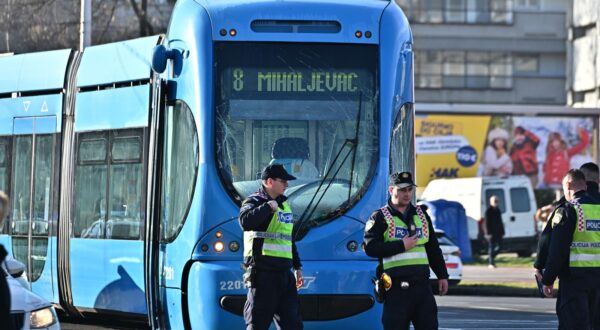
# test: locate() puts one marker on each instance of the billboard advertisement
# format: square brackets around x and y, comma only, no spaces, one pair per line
[542,148]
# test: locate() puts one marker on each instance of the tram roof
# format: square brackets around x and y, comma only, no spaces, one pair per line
[34,71]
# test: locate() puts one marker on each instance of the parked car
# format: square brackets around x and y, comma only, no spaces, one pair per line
[451,254]
[28,310]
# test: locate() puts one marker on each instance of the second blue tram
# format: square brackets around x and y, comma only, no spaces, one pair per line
[126,166]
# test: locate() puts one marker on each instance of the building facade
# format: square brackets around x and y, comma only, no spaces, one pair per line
[583,66]
[489,51]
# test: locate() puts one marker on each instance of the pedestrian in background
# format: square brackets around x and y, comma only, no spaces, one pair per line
[6,320]
[269,255]
[573,256]
[402,237]
[494,230]
[592,175]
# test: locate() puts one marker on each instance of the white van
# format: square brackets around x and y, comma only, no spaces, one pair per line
[516,201]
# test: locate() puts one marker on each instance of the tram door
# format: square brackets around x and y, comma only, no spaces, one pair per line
[32,195]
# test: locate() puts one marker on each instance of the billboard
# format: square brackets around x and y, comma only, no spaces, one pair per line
[542,148]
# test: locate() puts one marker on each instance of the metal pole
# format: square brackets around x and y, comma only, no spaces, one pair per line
[85,24]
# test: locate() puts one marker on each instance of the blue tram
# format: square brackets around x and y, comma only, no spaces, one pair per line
[126,163]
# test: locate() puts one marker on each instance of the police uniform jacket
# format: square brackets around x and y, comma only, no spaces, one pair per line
[593,190]
[255,215]
[557,263]
[377,248]
[544,240]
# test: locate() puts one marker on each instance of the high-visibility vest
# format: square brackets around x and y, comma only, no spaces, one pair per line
[277,237]
[397,230]
[585,248]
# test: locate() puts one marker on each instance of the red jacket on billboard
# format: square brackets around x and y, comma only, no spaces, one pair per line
[558,156]
[523,152]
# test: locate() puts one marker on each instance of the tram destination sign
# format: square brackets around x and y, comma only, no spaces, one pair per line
[251,81]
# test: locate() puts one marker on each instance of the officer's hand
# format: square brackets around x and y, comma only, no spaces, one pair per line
[299,278]
[443,287]
[538,274]
[409,242]
[273,205]
[548,290]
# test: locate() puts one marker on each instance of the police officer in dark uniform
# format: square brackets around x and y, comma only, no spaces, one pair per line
[574,256]
[269,255]
[402,236]
[592,174]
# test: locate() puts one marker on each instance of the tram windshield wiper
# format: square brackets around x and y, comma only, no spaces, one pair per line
[304,223]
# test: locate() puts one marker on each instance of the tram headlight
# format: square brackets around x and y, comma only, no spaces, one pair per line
[219,246]
[42,318]
[234,246]
[352,246]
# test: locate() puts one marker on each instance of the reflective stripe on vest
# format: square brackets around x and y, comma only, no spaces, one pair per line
[414,256]
[585,248]
[277,238]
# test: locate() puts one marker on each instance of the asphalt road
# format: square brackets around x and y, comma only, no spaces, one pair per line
[498,275]
[470,312]
[473,312]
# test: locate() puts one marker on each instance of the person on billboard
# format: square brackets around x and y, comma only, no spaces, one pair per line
[523,154]
[558,156]
[496,160]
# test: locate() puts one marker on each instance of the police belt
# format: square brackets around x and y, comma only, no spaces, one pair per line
[264,234]
[407,282]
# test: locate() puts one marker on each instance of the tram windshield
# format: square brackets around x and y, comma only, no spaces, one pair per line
[310,107]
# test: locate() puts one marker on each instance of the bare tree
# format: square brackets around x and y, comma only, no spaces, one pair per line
[37,25]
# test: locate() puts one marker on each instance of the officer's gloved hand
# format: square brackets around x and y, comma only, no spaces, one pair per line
[280,200]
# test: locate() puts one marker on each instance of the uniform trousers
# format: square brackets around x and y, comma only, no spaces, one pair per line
[577,308]
[274,297]
[415,304]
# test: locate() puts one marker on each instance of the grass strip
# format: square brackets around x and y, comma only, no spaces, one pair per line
[506,261]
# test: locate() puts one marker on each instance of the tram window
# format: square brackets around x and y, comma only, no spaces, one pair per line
[126,149]
[305,106]
[92,151]
[180,166]
[126,178]
[90,184]
[22,185]
[4,172]
[120,215]
[43,172]
[402,144]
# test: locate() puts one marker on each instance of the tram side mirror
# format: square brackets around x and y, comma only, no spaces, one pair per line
[160,56]
[14,267]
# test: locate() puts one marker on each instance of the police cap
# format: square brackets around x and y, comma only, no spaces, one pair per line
[402,180]
[276,171]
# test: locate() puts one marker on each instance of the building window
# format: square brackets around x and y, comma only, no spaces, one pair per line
[459,11]
[526,63]
[462,69]
[527,4]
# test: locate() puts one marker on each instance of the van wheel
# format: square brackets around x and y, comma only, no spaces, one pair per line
[524,253]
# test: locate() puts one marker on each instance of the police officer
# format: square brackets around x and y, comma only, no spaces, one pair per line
[574,256]
[402,236]
[592,173]
[269,255]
